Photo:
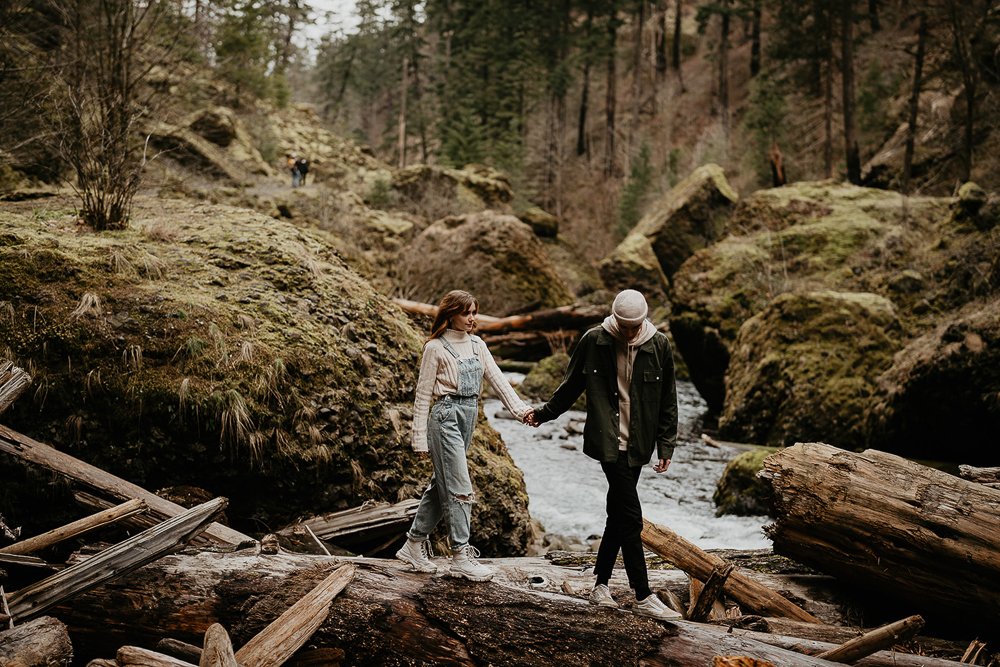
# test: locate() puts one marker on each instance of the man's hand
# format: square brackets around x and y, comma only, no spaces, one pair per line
[662,465]
[529,418]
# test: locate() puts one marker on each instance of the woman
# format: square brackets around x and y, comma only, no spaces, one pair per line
[451,373]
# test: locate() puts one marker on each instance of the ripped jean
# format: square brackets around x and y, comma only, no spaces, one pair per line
[449,493]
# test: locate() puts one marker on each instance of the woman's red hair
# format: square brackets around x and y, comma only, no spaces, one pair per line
[454,303]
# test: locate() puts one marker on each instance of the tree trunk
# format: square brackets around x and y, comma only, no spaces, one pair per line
[724,71]
[850,123]
[677,35]
[388,615]
[640,18]
[828,102]
[755,40]
[873,16]
[611,96]
[911,129]
[922,537]
[402,113]
[42,642]
[661,45]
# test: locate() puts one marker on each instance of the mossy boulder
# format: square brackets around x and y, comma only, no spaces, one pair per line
[540,383]
[822,235]
[688,218]
[441,191]
[805,369]
[542,222]
[216,347]
[974,209]
[941,397]
[739,492]
[496,257]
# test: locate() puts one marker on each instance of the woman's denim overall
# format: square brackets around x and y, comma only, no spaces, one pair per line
[449,434]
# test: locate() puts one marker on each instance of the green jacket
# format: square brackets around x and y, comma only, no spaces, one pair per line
[653,397]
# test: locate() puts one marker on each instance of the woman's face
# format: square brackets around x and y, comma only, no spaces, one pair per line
[465,321]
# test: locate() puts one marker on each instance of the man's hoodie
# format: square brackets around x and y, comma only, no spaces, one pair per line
[625,352]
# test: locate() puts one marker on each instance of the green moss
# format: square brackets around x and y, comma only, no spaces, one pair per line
[739,491]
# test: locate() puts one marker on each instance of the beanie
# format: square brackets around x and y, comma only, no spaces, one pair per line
[629,308]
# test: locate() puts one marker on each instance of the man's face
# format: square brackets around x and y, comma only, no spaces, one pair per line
[630,333]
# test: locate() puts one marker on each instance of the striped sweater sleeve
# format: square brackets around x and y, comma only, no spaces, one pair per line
[429,363]
[500,384]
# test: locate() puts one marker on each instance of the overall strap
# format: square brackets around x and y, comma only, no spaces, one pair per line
[449,347]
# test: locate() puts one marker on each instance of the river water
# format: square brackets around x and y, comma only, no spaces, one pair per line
[566,488]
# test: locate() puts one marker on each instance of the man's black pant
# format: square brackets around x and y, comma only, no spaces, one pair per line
[623,530]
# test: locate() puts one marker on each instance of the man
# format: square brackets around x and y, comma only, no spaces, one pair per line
[626,367]
[293,167]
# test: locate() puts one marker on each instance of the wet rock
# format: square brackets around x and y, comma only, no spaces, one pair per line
[495,257]
[739,492]
[541,222]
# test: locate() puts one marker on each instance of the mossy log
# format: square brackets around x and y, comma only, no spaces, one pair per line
[387,615]
[924,538]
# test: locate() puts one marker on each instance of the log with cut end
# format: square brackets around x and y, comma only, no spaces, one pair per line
[36,453]
[876,640]
[41,642]
[84,525]
[13,382]
[388,615]
[699,564]
[920,536]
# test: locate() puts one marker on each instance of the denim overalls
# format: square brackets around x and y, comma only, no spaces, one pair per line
[450,425]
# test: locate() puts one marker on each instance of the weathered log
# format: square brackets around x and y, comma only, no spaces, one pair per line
[981,475]
[430,310]
[389,615]
[358,527]
[143,657]
[113,562]
[42,642]
[924,537]
[218,650]
[876,640]
[707,598]
[76,470]
[576,317]
[700,565]
[26,561]
[273,646]
[13,382]
[80,527]
[180,650]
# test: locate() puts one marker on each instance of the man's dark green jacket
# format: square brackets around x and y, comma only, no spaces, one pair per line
[653,397]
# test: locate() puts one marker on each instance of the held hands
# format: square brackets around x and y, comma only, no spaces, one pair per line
[661,466]
[529,418]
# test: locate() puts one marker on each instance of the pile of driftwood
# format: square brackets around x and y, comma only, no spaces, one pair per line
[186,591]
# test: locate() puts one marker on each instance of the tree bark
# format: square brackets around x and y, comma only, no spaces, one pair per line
[755,40]
[828,102]
[640,18]
[402,113]
[724,71]
[76,470]
[853,155]
[218,651]
[873,16]
[921,536]
[611,95]
[677,35]
[876,640]
[13,382]
[42,642]
[701,565]
[911,129]
[389,615]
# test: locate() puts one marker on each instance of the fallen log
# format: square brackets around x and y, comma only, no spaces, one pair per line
[430,310]
[93,522]
[876,640]
[921,536]
[391,616]
[360,528]
[981,475]
[76,470]
[705,599]
[700,565]
[42,642]
[113,562]
[13,382]
[576,317]
[218,651]
[143,657]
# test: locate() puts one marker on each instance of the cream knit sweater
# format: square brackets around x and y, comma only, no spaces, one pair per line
[439,376]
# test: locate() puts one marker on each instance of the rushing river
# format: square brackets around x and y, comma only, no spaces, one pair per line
[567,489]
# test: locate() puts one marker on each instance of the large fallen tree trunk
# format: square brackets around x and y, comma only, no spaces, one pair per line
[42,642]
[76,470]
[387,615]
[359,528]
[921,536]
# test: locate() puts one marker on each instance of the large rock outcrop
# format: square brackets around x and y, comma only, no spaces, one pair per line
[441,191]
[688,218]
[496,257]
[805,368]
[941,397]
[216,347]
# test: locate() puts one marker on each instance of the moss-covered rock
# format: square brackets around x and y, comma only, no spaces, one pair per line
[440,191]
[494,256]
[941,397]
[540,383]
[805,369]
[686,219]
[220,348]
[739,492]
[542,222]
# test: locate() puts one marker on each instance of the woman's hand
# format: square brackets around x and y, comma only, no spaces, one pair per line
[529,418]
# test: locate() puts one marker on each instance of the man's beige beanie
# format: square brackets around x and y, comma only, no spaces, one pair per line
[629,308]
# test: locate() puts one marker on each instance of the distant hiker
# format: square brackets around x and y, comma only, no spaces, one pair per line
[626,367]
[451,374]
[303,165]
[293,166]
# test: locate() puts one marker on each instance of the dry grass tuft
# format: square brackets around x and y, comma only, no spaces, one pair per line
[120,262]
[154,267]
[245,355]
[132,356]
[309,262]
[74,427]
[90,305]
[92,383]
[235,422]
[160,230]
[244,322]
[269,383]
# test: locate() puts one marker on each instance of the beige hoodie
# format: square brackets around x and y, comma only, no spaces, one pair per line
[625,352]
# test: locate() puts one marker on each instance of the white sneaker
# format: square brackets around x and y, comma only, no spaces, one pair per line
[418,554]
[601,596]
[654,608]
[464,564]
